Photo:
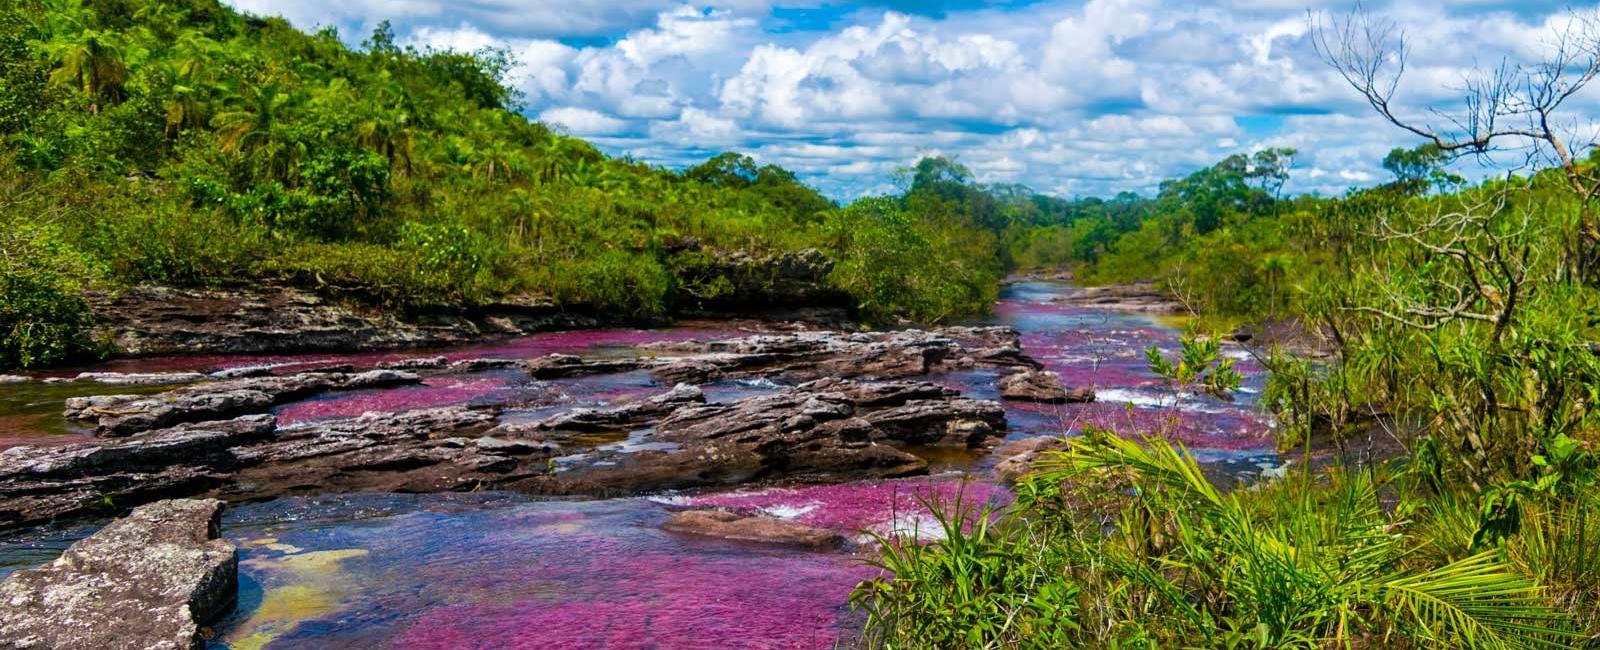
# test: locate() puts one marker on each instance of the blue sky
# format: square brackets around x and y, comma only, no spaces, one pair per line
[1071,98]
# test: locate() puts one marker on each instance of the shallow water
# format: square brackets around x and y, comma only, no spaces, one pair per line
[508,571]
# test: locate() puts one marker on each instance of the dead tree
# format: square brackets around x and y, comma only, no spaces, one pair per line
[1513,106]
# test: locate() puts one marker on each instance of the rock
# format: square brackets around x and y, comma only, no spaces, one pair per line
[820,430]
[148,320]
[769,530]
[1242,334]
[140,378]
[757,283]
[377,379]
[493,445]
[1140,298]
[565,365]
[479,365]
[810,355]
[824,429]
[333,369]
[45,483]
[13,379]
[1019,456]
[122,415]
[242,372]
[148,581]
[628,416]
[1041,386]
[415,363]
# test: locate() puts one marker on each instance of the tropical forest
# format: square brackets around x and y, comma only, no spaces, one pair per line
[798,325]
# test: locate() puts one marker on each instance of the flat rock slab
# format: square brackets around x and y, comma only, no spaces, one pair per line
[1141,298]
[751,528]
[148,581]
[124,415]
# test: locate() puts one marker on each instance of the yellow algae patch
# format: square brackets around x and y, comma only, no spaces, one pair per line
[272,544]
[564,528]
[315,589]
[316,564]
[282,609]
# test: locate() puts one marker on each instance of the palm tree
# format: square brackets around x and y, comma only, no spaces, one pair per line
[257,129]
[496,155]
[92,62]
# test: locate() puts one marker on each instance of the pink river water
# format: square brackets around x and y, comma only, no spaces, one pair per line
[500,570]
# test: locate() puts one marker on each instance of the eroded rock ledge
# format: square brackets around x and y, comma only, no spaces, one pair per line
[148,581]
[824,429]
[1141,297]
[121,415]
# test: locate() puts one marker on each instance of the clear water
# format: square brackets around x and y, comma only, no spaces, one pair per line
[507,571]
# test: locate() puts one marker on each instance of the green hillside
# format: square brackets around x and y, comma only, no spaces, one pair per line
[183,143]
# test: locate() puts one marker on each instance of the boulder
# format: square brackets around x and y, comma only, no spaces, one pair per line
[751,528]
[1018,456]
[1041,386]
[148,581]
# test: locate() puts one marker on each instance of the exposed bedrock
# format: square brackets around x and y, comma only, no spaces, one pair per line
[751,528]
[1139,297]
[862,355]
[122,415]
[824,429]
[148,581]
[276,318]
[1042,386]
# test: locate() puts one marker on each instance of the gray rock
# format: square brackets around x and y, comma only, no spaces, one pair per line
[122,415]
[242,372]
[565,365]
[415,363]
[140,378]
[148,581]
[476,365]
[751,528]
[1041,386]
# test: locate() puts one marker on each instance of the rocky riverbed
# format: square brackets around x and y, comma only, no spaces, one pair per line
[726,475]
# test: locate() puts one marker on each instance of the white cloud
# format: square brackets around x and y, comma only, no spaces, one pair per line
[1075,96]
[582,121]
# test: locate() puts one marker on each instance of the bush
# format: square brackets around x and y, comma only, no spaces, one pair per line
[43,319]
[896,263]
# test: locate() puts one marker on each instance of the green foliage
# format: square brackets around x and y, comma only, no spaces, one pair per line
[901,260]
[42,318]
[188,144]
[1200,365]
[979,586]
[1129,545]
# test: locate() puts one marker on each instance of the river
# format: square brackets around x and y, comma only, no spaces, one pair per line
[503,570]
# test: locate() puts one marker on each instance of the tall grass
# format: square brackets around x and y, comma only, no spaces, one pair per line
[1117,543]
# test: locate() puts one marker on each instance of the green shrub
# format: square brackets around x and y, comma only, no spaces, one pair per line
[43,319]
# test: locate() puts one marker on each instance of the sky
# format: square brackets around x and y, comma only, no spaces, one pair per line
[1070,98]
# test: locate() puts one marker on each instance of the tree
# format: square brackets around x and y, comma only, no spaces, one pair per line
[1517,104]
[91,61]
[260,127]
